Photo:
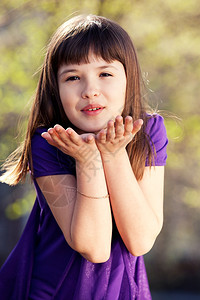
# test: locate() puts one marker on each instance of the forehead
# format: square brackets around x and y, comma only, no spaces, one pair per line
[93,62]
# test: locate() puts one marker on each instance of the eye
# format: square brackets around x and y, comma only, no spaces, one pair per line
[105,74]
[72,78]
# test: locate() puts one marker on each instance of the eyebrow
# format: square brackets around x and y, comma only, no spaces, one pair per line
[65,71]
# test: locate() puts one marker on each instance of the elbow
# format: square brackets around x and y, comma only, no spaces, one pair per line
[97,258]
[93,253]
[140,249]
[142,246]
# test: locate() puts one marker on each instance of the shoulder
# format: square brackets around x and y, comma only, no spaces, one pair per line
[47,159]
[40,147]
[155,128]
[38,143]
[155,123]
[156,131]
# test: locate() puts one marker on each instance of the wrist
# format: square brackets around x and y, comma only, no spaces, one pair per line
[113,156]
[93,157]
[90,165]
[87,153]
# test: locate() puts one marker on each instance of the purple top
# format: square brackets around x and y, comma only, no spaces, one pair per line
[43,266]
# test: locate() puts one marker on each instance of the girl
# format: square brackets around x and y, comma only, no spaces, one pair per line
[99,183]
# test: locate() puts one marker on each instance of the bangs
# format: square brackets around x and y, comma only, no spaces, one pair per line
[96,37]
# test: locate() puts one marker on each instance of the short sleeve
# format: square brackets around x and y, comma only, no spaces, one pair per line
[158,139]
[47,159]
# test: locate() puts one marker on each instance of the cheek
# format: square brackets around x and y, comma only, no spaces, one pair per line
[122,96]
[122,92]
[65,97]
[122,85]
[61,93]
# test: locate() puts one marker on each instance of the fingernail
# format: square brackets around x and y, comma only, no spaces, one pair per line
[129,118]
[57,128]
[43,135]
[90,138]
[50,130]
[141,122]
[119,118]
[69,130]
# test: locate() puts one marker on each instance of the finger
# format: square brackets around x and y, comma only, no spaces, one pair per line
[101,136]
[56,139]
[61,133]
[48,138]
[89,139]
[110,131]
[119,127]
[73,136]
[128,127]
[137,126]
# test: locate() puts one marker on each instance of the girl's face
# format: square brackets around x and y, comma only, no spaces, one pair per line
[92,93]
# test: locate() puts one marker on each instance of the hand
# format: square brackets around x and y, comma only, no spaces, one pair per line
[117,135]
[69,142]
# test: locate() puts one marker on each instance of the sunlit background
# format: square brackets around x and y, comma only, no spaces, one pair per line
[166,34]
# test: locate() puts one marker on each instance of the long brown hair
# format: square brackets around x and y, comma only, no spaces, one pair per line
[72,43]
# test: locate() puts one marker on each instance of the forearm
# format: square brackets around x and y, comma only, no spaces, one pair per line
[136,221]
[86,222]
[91,226]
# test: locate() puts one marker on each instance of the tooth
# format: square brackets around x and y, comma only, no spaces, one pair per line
[93,109]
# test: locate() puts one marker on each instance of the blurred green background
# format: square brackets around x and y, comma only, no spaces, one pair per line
[166,35]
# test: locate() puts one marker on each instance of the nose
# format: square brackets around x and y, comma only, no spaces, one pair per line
[90,90]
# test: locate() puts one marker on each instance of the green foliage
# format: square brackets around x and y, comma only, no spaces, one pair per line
[166,35]
[20,206]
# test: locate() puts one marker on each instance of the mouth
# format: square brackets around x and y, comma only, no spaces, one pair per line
[92,109]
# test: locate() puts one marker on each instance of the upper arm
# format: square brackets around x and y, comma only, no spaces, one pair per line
[54,173]
[158,140]
[152,186]
[47,159]
[60,194]
[152,183]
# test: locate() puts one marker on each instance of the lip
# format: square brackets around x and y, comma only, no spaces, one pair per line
[92,109]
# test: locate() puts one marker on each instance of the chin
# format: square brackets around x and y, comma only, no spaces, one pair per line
[91,129]
[87,130]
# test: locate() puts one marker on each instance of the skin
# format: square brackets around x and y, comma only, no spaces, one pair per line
[137,207]
[95,83]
